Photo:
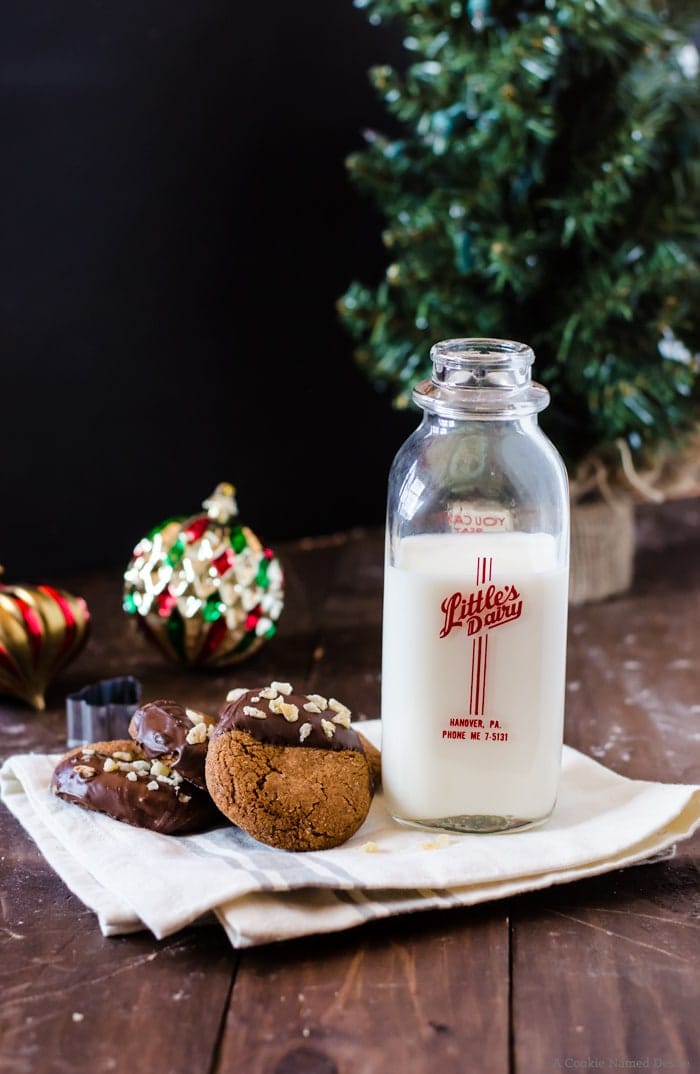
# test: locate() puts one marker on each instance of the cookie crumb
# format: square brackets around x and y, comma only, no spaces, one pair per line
[438,843]
[370,847]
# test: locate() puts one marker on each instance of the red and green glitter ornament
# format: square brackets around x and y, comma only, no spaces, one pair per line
[204,589]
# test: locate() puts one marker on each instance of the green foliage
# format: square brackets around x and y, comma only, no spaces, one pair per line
[544,187]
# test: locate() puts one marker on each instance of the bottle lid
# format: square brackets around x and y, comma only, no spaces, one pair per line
[486,378]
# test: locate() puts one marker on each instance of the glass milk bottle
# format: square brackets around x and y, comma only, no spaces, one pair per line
[475,599]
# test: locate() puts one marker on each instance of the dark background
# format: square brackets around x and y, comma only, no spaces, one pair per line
[176,227]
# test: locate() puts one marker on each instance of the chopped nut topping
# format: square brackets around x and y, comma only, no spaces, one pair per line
[87,753]
[153,785]
[328,728]
[311,706]
[133,766]
[268,693]
[282,687]
[159,769]
[132,777]
[84,771]
[304,731]
[184,798]
[250,710]
[110,765]
[338,707]
[233,695]
[284,708]
[343,719]
[197,733]
[319,700]
[122,755]
[194,716]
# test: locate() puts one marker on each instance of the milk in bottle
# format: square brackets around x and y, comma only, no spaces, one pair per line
[475,600]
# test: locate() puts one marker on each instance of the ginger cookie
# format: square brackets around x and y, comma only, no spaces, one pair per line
[177,735]
[288,768]
[118,779]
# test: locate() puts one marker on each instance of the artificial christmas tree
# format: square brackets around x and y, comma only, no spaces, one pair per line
[541,183]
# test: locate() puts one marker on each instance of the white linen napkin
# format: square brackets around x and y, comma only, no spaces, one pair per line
[134,879]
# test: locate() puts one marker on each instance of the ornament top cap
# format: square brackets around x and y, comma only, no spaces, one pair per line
[221,504]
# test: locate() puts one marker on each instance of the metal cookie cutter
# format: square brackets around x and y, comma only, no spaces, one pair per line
[101,711]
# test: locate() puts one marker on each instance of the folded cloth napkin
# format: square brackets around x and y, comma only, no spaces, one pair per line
[134,879]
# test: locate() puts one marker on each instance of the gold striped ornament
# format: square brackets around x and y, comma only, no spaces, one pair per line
[42,629]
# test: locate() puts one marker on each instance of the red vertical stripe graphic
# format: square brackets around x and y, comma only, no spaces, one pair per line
[471,686]
[482,705]
[480,648]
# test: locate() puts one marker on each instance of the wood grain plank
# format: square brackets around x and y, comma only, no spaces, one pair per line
[423,991]
[72,1000]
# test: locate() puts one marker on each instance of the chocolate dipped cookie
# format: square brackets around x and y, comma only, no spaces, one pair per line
[289,769]
[118,779]
[177,735]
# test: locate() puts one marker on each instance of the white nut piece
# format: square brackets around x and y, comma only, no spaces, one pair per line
[122,755]
[338,706]
[159,769]
[284,708]
[132,777]
[85,771]
[282,687]
[304,732]
[196,734]
[233,695]
[110,765]
[250,710]
[311,706]
[342,718]
[328,728]
[194,716]
[318,699]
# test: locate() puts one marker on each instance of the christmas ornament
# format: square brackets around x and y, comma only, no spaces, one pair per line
[204,589]
[41,630]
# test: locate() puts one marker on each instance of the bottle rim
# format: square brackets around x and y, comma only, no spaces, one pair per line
[483,376]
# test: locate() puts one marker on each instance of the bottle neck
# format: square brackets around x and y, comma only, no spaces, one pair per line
[481,379]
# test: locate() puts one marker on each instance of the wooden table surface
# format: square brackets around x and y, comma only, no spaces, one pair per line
[598,974]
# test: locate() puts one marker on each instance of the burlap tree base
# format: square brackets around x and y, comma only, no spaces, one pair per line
[604,493]
[602,549]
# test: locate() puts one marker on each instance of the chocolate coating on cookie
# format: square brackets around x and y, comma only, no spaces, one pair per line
[118,779]
[289,719]
[178,735]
